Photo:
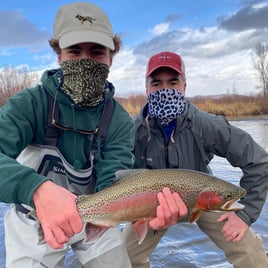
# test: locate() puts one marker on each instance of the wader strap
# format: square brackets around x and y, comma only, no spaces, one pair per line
[23,210]
[52,132]
[105,118]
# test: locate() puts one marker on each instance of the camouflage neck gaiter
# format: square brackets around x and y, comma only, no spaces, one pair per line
[84,81]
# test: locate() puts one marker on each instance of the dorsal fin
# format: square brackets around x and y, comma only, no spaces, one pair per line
[126,173]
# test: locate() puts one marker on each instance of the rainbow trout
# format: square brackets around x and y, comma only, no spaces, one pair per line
[133,198]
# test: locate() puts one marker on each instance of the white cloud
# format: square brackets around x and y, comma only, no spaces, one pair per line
[259,5]
[126,74]
[5,52]
[228,74]
[160,28]
[48,60]
[217,61]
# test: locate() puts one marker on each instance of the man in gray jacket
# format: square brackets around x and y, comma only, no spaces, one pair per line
[173,133]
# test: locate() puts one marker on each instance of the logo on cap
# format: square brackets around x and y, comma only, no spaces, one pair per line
[84,18]
[164,57]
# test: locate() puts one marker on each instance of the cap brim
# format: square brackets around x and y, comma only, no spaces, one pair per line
[82,36]
[165,65]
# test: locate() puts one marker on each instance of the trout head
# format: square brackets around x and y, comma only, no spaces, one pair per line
[217,201]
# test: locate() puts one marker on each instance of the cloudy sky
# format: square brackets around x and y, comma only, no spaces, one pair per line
[215,38]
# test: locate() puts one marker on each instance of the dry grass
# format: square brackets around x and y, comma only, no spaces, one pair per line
[12,80]
[233,105]
[133,103]
[227,105]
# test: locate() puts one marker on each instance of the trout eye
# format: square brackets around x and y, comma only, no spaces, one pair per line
[228,195]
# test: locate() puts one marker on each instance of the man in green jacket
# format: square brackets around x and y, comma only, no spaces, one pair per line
[170,132]
[51,151]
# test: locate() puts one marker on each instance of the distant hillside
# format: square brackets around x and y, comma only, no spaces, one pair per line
[220,96]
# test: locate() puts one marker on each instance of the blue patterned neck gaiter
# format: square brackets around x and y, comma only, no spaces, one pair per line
[166,104]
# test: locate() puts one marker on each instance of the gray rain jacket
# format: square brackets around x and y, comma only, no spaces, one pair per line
[197,138]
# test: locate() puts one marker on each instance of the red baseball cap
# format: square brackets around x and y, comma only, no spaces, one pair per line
[166,59]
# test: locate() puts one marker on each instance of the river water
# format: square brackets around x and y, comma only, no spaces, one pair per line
[184,245]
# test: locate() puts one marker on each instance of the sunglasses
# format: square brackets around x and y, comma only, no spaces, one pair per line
[67,128]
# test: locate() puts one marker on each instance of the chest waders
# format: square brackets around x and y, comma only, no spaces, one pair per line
[21,231]
[48,161]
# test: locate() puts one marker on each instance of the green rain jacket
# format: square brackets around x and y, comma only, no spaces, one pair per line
[197,138]
[23,121]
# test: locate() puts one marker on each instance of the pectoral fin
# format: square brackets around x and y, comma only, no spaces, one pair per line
[141,228]
[195,215]
[93,231]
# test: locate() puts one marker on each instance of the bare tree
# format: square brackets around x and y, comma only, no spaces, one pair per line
[260,63]
[13,80]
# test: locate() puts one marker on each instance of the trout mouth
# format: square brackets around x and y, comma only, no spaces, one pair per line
[232,205]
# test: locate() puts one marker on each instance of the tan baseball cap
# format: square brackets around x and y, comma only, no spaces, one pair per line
[82,22]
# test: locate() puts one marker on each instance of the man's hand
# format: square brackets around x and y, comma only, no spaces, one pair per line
[234,229]
[170,209]
[56,210]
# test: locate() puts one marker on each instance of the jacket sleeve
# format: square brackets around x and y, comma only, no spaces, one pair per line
[117,151]
[240,149]
[18,123]
[245,153]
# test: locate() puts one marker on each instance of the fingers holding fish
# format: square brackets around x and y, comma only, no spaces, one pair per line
[69,226]
[183,210]
[54,238]
[76,223]
[57,213]
[158,222]
[173,205]
[164,216]
[67,230]
[170,209]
